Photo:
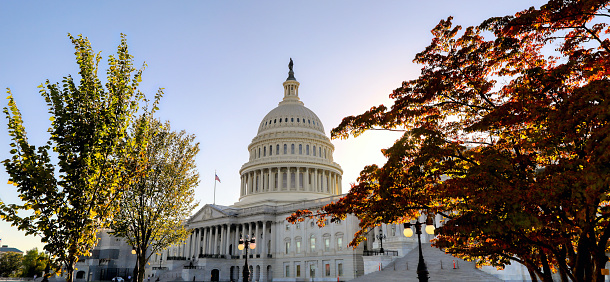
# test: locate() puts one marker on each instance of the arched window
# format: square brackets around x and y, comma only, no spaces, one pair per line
[259,152]
[325,153]
[264,151]
[320,151]
[275,121]
[292,149]
[277,149]
[307,150]
[300,149]
[314,150]
[285,149]
[270,150]
[286,120]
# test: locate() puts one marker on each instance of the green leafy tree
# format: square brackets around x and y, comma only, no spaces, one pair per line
[152,213]
[10,264]
[73,191]
[507,136]
[33,263]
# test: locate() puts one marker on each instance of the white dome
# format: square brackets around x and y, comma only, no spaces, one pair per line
[290,156]
[290,115]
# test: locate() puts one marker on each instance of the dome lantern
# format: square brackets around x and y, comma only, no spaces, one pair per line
[291,87]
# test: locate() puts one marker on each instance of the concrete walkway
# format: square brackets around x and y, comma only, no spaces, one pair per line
[405,268]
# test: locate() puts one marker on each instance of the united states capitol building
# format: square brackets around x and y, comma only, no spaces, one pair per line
[290,167]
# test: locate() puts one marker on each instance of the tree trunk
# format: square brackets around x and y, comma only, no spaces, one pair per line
[139,271]
[70,266]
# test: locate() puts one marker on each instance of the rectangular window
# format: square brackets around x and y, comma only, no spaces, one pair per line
[301,180]
[327,244]
[287,247]
[312,243]
[327,269]
[284,180]
[287,227]
[340,269]
[339,243]
[298,270]
[312,270]
[298,247]
[287,273]
[298,225]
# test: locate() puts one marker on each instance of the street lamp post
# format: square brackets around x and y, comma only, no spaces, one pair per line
[380,237]
[160,261]
[422,269]
[246,243]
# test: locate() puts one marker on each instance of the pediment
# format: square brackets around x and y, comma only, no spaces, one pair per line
[207,212]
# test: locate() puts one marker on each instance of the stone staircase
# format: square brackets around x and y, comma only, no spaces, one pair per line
[440,268]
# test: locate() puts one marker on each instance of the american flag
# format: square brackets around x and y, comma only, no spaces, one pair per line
[217,178]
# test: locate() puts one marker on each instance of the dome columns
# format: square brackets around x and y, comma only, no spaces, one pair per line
[291,179]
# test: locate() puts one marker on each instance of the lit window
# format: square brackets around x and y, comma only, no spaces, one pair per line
[327,269]
[312,243]
[298,243]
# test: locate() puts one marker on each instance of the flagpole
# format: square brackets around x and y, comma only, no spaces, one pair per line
[214,187]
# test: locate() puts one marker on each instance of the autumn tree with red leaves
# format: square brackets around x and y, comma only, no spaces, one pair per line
[507,135]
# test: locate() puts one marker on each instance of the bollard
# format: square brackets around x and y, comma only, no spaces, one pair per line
[441,264]
[454,264]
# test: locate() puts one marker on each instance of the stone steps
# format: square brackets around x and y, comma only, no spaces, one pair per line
[405,268]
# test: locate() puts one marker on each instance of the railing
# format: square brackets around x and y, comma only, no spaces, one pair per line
[176,258]
[379,253]
[193,267]
[211,256]
[159,268]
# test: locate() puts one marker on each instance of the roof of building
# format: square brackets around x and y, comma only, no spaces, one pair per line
[6,249]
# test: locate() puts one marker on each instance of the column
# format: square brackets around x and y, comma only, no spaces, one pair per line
[258,235]
[297,182]
[250,183]
[289,178]
[315,180]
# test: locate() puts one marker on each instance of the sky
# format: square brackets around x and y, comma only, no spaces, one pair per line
[222,65]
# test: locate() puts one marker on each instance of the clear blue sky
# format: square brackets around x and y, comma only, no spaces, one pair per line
[222,64]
